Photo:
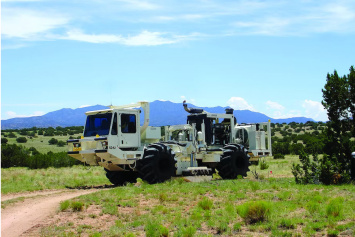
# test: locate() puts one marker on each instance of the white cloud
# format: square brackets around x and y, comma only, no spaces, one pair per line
[274,105]
[239,103]
[77,35]
[315,110]
[140,5]
[83,106]
[11,114]
[29,24]
[145,38]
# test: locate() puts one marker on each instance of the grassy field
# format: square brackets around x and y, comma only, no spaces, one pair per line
[40,142]
[15,180]
[276,207]
[272,205]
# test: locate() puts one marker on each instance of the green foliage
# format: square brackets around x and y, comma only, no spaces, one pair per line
[61,143]
[4,140]
[263,165]
[254,212]
[53,141]
[323,170]
[279,156]
[19,156]
[21,140]
[339,100]
[307,172]
[11,135]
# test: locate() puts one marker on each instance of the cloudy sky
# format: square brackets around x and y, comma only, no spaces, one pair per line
[267,56]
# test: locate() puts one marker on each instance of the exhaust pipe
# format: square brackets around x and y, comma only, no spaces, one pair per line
[191,110]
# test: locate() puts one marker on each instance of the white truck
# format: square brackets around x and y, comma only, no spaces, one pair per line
[114,139]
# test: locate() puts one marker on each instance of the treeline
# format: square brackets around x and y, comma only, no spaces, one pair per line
[13,155]
[50,131]
[296,137]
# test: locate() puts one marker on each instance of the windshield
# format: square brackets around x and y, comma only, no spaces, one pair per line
[98,124]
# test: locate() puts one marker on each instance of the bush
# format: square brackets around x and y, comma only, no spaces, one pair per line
[52,141]
[61,143]
[4,140]
[13,155]
[325,170]
[12,135]
[279,156]
[254,212]
[263,165]
[21,140]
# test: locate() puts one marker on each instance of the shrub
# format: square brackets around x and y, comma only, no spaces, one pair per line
[52,141]
[263,165]
[21,140]
[254,212]
[4,140]
[279,156]
[12,135]
[61,143]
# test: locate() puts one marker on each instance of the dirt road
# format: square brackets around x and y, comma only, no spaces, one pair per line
[33,209]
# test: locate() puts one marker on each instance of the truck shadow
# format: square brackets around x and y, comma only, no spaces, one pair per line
[105,186]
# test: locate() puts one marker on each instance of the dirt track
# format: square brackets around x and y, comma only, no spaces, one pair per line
[21,216]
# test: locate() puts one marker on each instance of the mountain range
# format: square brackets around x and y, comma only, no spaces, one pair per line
[161,113]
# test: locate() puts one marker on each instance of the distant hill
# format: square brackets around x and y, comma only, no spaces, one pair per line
[161,113]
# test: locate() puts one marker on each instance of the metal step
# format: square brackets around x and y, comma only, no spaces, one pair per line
[197,171]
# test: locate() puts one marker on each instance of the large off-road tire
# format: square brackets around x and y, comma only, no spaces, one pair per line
[158,164]
[234,162]
[121,177]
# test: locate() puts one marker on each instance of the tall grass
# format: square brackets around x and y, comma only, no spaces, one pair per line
[224,207]
[254,212]
[24,179]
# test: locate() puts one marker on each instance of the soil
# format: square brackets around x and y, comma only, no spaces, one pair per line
[32,210]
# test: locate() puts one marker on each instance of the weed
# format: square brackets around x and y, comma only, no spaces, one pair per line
[287,224]
[254,186]
[335,207]
[64,205]
[189,231]
[154,228]
[237,227]
[332,233]
[205,203]
[254,212]
[222,227]
[312,207]
[77,206]
[163,197]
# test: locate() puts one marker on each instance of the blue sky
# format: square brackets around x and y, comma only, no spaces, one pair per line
[267,56]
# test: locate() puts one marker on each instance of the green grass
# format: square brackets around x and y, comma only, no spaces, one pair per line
[279,207]
[176,208]
[22,179]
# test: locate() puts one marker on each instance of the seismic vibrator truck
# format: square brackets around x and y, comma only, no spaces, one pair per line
[114,139]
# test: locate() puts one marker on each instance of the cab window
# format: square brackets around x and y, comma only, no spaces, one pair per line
[128,123]
[114,125]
